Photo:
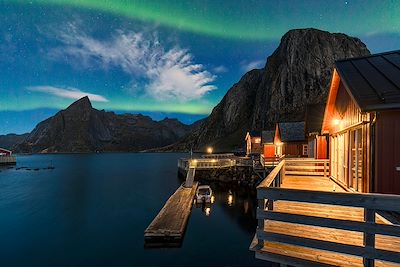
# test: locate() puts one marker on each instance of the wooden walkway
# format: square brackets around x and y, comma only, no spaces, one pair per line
[168,227]
[311,221]
[8,160]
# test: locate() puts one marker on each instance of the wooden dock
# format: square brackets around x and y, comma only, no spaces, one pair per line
[168,227]
[8,160]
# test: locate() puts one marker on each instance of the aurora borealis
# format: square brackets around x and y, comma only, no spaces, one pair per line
[161,58]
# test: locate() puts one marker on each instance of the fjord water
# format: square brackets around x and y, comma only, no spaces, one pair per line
[92,209]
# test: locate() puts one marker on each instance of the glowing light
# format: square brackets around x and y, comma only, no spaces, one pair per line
[212,199]
[279,143]
[209,150]
[336,122]
[207,211]
[230,198]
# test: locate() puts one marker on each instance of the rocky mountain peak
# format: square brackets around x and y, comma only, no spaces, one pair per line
[81,104]
[297,73]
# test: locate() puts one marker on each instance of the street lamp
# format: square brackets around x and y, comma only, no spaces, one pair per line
[209,150]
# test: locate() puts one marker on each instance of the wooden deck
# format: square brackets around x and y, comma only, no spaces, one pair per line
[168,227]
[311,221]
[8,160]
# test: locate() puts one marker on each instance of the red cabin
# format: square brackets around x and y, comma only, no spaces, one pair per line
[362,118]
[5,152]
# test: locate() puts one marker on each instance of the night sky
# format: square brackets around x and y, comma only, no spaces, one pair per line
[159,58]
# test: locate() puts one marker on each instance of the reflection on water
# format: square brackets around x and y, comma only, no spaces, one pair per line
[92,209]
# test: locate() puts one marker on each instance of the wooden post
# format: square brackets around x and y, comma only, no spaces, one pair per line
[369,239]
[260,222]
[325,169]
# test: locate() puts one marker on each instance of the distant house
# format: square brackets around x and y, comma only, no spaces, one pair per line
[253,142]
[5,152]
[317,143]
[290,139]
[362,118]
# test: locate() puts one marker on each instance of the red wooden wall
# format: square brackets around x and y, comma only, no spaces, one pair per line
[269,150]
[387,154]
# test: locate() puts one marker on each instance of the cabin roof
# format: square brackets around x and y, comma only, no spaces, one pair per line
[5,150]
[255,133]
[314,118]
[267,136]
[372,81]
[292,131]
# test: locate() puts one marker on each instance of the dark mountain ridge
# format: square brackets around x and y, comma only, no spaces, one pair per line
[298,73]
[81,128]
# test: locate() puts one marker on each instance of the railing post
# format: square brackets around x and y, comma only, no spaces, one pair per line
[325,169]
[369,238]
[260,222]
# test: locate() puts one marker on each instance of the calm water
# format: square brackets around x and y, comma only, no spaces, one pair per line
[92,209]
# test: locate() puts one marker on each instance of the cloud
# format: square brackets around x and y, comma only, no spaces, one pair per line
[69,92]
[256,64]
[166,73]
[220,69]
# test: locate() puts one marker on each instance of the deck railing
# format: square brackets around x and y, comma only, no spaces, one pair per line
[270,161]
[211,163]
[307,167]
[7,159]
[269,191]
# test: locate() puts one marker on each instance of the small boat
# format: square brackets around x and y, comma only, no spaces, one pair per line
[203,194]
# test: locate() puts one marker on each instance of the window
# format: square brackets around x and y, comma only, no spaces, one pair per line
[305,150]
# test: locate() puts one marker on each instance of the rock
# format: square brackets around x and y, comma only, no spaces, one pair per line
[9,140]
[81,128]
[296,74]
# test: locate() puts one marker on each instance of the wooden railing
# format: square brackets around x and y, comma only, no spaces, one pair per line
[270,161]
[7,159]
[307,167]
[211,163]
[269,191]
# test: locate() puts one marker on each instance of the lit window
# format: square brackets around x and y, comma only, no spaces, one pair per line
[305,150]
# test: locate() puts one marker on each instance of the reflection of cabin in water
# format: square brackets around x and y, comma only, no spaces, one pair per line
[290,139]
[362,118]
[253,142]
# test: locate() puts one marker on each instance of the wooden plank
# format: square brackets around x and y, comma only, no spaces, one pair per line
[312,256]
[371,201]
[305,173]
[302,167]
[291,261]
[170,223]
[365,252]
[271,177]
[374,228]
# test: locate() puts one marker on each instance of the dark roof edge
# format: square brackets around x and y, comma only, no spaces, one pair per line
[381,107]
[371,55]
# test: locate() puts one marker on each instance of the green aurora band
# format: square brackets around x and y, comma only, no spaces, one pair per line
[250,19]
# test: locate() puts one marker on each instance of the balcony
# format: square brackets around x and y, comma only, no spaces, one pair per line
[306,219]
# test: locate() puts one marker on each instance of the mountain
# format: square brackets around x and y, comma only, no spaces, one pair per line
[9,140]
[296,74]
[81,128]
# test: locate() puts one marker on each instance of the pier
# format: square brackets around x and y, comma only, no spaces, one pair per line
[8,160]
[168,227]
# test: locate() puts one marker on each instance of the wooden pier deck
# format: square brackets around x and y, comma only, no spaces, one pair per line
[308,220]
[8,160]
[168,227]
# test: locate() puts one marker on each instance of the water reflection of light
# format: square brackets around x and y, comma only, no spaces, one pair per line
[208,211]
[230,198]
[212,199]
